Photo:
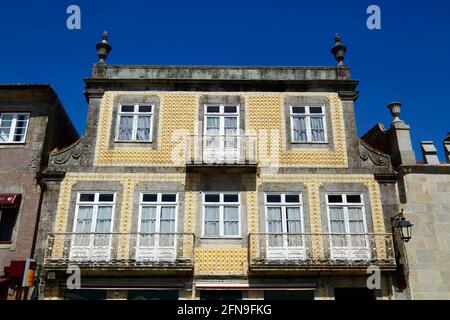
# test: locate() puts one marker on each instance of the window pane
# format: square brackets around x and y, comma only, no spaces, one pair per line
[299,129]
[148,225]
[354,198]
[169,197]
[292,198]
[317,129]
[150,197]
[145,108]
[230,109]
[127,108]
[8,219]
[230,198]
[337,221]
[125,128]
[298,109]
[103,225]
[213,109]
[212,198]
[273,198]
[87,197]
[274,226]
[315,109]
[231,221]
[143,128]
[212,125]
[356,220]
[106,197]
[335,198]
[212,221]
[83,225]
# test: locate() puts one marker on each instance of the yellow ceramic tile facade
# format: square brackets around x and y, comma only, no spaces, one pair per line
[179,118]
[221,260]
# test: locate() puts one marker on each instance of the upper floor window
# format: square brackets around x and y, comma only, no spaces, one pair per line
[221,217]
[346,214]
[13,127]
[8,218]
[135,123]
[221,120]
[308,124]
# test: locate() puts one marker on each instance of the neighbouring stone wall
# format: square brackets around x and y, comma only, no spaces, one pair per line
[428,208]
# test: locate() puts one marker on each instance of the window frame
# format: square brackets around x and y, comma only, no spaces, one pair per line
[158,204]
[308,115]
[222,115]
[95,204]
[345,205]
[14,127]
[135,114]
[221,204]
[284,205]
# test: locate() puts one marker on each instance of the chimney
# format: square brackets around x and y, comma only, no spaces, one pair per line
[429,152]
[400,139]
[447,148]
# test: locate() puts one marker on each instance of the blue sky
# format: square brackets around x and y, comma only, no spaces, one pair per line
[407,60]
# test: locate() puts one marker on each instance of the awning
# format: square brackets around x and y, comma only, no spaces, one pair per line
[10,198]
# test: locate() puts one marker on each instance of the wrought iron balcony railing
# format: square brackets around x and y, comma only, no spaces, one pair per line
[221,149]
[120,249]
[315,250]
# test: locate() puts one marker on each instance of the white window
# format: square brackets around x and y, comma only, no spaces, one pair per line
[221,126]
[347,225]
[135,123]
[13,127]
[308,124]
[284,215]
[94,221]
[221,215]
[158,213]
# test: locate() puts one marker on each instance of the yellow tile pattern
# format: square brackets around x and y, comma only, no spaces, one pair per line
[264,117]
[223,260]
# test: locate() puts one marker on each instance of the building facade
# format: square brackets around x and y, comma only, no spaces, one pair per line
[32,123]
[219,182]
[424,193]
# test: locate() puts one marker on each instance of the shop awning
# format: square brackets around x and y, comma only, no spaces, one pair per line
[10,198]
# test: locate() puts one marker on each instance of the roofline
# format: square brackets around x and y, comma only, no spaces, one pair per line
[137,66]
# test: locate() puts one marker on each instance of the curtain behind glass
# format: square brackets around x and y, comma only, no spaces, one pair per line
[299,125]
[231,221]
[167,225]
[212,221]
[103,225]
[294,225]
[126,128]
[83,225]
[317,130]
[337,224]
[143,128]
[275,226]
[231,131]
[356,224]
[148,226]
[213,130]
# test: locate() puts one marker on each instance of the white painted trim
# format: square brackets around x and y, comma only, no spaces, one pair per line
[307,115]
[135,114]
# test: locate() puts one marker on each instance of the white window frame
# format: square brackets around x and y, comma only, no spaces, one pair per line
[307,115]
[222,115]
[14,126]
[95,204]
[135,114]
[283,205]
[221,204]
[346,205]
[158,204]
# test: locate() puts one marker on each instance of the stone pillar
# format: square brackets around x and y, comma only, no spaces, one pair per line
[400,139]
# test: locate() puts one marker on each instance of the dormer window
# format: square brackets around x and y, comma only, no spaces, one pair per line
[13,127]
[135,123]
[308,124]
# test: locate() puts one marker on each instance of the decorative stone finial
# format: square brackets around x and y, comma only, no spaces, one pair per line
[339,50]
[103,48]
[395,108]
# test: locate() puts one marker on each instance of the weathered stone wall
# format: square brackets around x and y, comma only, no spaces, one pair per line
[428,208]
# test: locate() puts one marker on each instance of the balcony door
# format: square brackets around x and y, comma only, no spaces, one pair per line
[221,134]
[93,226]
[347,224]
[284,223]
[157,225]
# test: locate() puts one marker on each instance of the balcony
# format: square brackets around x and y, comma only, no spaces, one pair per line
[137,251]
[219,150]
[320,252]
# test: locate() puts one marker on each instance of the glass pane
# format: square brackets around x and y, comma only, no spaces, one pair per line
[87,197]
[169,198]
[106,197]
[315,109]
[212,197]
[299,129]
[148,226]
[103,225]
[337,224]
[125,128]
[230,109]
[293,224]
[127,109]
[150,197]
[317,130]
[213,109]
[273,198]
[292,198]
[230,198]
[231,221]
[335,198]
[274,226]
[145,108]
[83,225]
[354,198]
[143,128]
[167,225]
[298,109]
[212,221]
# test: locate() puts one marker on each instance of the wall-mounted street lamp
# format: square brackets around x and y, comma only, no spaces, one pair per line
[399,222]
